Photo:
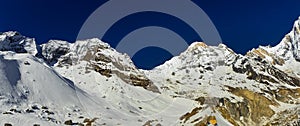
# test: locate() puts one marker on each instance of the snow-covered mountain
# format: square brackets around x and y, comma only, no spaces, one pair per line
[89,83]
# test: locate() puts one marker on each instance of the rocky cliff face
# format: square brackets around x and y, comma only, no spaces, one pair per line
[99,57]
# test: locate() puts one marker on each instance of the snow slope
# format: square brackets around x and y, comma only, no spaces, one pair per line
[27,82]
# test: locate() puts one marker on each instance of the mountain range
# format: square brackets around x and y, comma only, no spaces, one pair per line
[87,82]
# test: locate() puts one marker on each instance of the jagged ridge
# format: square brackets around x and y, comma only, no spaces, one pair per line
[255,89]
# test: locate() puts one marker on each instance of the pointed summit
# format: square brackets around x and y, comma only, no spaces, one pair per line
[289,47]
[14,41]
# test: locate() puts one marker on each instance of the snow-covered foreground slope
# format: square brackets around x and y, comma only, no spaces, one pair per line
[89,83]
[27,85]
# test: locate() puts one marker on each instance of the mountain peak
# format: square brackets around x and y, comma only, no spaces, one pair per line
[54,49]
[11,33]
[289,47]
[14,41]
[198,44]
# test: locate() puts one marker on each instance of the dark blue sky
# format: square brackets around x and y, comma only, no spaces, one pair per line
[243,25]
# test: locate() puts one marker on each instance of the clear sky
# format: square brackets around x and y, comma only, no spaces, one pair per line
[243,25]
